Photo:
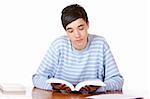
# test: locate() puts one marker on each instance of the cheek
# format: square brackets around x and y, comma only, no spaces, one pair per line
[84,35]
[71,37]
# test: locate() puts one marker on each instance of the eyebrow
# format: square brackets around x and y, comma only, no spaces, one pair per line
[81,25]
[68,28]
[78,26]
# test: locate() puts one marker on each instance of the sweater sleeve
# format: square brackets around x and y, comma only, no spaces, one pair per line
[112,77]
[46,69]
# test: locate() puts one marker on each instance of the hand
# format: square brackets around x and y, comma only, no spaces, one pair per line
[89,89]
[59,86]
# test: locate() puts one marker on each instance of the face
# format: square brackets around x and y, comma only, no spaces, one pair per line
[77,33]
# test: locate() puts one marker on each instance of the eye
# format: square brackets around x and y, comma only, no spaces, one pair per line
[70,31]
[81,28]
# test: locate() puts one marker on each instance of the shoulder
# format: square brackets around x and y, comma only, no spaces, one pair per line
[60,40]
[98,41]
[97,38]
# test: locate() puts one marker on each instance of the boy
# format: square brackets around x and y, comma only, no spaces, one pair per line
[78,56]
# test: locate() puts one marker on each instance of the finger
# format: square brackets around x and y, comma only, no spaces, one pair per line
[56,83]
[56,86]
[87,88]
[68,89]
[53,86]
[93,88]
[83,89]
[62,86]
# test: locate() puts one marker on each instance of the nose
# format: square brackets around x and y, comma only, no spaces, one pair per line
[77,34]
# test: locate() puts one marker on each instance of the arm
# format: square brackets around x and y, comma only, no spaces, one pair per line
[112,77]
[46,69]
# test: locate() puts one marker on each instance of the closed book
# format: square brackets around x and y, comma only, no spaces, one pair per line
[12,88]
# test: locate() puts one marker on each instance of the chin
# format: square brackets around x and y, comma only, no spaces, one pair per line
[80,48]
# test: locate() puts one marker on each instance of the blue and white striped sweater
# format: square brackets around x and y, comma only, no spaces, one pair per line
[64,62]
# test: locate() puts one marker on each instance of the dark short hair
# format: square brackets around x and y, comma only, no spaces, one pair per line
[72,13]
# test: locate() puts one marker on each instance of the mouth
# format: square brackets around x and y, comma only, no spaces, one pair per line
[79,40]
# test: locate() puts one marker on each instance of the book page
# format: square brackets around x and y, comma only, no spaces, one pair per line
[55,80]
[95,82]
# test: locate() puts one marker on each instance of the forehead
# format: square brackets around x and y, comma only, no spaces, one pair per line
[76,23]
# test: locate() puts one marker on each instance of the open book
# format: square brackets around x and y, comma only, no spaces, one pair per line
[95,82]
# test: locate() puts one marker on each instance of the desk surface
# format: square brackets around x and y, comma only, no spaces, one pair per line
[35,93]
[42,94]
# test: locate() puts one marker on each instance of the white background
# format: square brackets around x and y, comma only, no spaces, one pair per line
[27,27]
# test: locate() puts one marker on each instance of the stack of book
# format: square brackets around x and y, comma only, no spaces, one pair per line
[12,88]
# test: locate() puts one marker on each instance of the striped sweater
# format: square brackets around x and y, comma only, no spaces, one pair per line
[64,62]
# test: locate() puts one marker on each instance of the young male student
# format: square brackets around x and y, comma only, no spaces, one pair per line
[77,57]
